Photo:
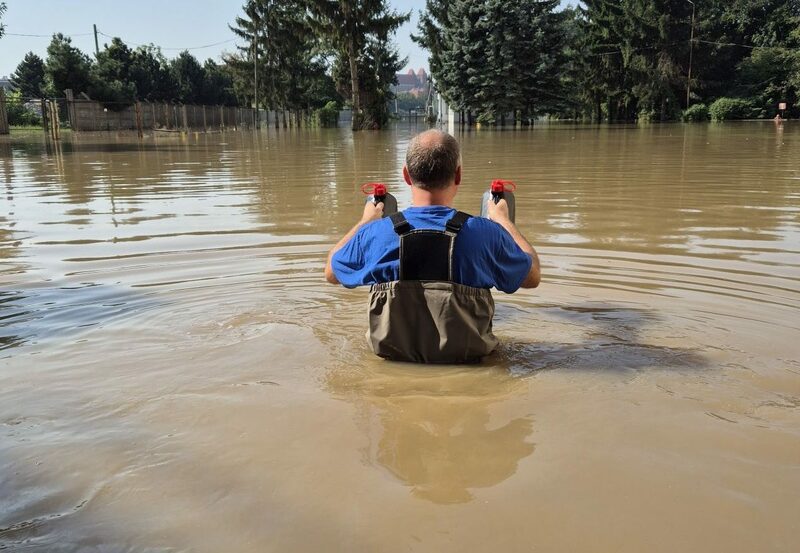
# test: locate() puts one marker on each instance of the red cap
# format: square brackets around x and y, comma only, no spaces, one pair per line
[374,188]
[499,185]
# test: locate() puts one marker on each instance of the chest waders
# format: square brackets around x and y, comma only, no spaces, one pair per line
[425,317]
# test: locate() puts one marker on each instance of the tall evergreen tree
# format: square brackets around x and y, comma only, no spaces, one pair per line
[66,67]
[111,81]
[349,26]
[2,11]
[28,78]
[494,56]
[279,57]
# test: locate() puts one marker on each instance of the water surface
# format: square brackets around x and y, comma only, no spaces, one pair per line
[175,375]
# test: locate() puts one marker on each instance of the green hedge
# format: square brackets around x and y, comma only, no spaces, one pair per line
[696,113]
[724,109]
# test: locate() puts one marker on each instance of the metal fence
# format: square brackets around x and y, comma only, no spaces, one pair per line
[83,114]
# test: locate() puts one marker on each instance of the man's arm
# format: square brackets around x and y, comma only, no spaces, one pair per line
[372,212]
[498,212]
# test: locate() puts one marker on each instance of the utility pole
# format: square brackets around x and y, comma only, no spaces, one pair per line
[255,66]
[96,43]
[691,49]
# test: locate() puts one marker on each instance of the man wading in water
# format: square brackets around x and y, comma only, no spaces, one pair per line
[430,266]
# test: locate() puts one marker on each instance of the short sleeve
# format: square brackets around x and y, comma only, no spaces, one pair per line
[511,264]
[348,263]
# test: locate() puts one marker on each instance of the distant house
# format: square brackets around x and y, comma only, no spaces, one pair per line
[412,82]
[5,84]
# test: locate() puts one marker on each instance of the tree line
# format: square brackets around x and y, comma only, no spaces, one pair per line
[119,75]
[299,56]
[614,59]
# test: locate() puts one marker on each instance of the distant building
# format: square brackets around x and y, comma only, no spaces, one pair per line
[412,82]
[5,84]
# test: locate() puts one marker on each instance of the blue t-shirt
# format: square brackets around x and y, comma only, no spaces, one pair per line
[484,255]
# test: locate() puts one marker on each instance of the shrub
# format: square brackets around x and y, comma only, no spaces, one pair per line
[696,113]
[327,116]
[20,114]
[724,109]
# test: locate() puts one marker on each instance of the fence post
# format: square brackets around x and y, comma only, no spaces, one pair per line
[45,124]
[72,113]
[51,119]
[4,128]
[185,119]
[56,121]
[138,108]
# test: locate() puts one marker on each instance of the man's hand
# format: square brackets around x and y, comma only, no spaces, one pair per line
[498,212]
[372,212]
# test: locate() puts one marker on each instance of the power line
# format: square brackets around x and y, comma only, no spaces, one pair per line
[99,32]
[46,36]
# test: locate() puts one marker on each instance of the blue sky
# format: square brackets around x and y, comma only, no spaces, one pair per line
[166,23]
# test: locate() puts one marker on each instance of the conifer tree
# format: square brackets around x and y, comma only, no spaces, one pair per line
[349,26]
[28,78]
[66,67]
[494,56]
[111,81]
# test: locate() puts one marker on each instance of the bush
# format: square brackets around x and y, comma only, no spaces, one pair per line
[19,114]
[724,109]
[327,116]
[696,113]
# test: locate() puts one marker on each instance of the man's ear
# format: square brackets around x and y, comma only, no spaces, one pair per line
[458,175]
[407,176]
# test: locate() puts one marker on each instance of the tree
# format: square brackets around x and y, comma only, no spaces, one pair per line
[66,67]
[2,11]
[217,85]
[28,78]
[189,76]
[770,76]
[112,83]
[349,26]
[377,72]
[151,75]
[494,56]
[281,61]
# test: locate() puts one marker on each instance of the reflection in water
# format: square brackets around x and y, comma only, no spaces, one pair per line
[433,428]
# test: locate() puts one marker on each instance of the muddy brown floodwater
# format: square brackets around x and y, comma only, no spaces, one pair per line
[175,375]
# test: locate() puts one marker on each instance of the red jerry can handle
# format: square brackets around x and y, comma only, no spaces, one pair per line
[376,189]
[499,186]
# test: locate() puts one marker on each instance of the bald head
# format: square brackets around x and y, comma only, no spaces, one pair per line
[432,159]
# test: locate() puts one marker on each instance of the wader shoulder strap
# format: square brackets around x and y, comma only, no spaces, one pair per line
[401,225]
[457,221]
[454,225]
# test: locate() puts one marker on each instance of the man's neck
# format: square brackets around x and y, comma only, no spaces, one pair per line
[425,198]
